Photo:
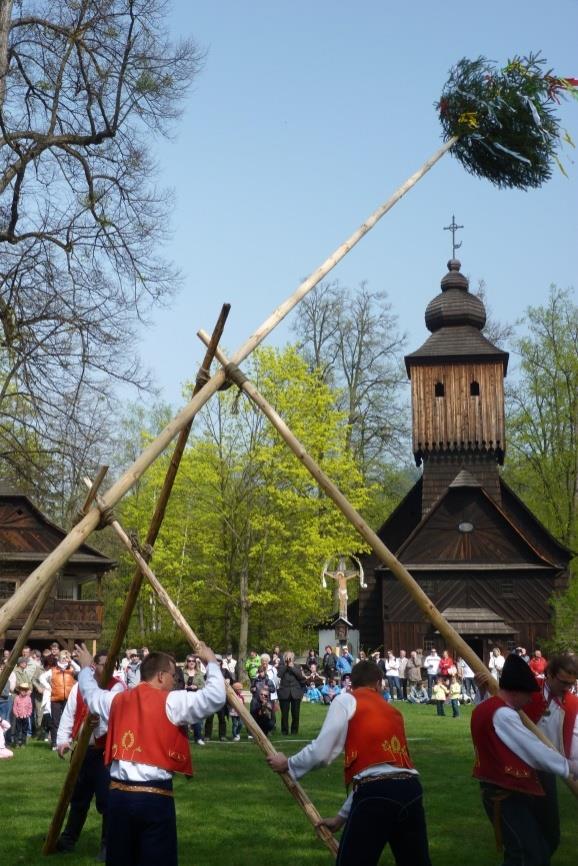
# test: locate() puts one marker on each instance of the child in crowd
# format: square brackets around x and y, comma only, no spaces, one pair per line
[455,692]
[313,695]
[439,694]
[386,692]
[418,694]
[235,717]
[330,690]
[5,752]
[22,712]
[346,683]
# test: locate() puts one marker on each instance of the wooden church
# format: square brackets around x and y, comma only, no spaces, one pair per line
[477,551]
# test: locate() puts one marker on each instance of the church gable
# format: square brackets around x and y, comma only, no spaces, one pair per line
[467,528]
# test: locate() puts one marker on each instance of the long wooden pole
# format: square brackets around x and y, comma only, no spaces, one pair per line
[385,555]
[266,746]
[83,738]
[22,638]
[30,587]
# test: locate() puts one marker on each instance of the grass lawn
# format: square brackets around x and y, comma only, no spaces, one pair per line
[236,813]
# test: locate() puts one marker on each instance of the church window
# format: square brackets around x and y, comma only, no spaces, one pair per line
[474,389]
[439,389]
[466,527]
[428,585]
[507,587]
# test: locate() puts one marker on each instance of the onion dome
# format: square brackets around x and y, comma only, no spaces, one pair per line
[455,305]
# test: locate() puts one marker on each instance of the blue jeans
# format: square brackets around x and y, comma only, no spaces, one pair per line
[385,812]
[455,708]
[237,725]
[395,683]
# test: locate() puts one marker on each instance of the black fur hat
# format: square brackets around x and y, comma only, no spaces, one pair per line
[517,676]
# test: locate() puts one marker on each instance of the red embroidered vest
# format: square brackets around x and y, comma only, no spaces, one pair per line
[81,713]
[494,761]
[139,731]
[375,735]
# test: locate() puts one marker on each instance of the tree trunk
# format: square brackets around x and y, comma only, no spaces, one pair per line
[245,604]
[5,18]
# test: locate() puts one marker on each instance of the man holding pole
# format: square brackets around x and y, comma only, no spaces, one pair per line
[93,779]
[146,743]
[386,803]
[508,757]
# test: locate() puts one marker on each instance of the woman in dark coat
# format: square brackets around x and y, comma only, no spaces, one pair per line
[290,693]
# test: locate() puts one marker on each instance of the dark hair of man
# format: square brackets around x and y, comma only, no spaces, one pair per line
[154,664]
[365,673]
[100,654]
[563,662]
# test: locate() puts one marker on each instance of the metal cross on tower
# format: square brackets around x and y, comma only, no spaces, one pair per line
[453,227]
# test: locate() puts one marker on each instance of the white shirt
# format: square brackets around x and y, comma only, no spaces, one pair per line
[64,733]
[551,723]
[495,665]
[512,732]
[391,666]
[330,742]
[432,665]
[182,708]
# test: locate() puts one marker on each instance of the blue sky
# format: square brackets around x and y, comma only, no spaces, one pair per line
[306,116]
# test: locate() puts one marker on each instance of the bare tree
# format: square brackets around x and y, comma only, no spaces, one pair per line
[353,339]
[85,85]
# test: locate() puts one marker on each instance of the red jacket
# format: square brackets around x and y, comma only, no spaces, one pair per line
[139,731]
[495,762]
[375,735]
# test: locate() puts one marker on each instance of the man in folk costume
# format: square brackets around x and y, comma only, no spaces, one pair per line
[386,802]
[508,758]
[93,778]
[555,710]
[146,743]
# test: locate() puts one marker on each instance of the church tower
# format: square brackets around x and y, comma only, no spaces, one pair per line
[457,394]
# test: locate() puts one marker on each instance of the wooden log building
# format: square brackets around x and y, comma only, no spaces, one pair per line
[478,552]
[27,536]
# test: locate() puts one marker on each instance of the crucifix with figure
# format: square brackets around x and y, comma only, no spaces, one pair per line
[342,575]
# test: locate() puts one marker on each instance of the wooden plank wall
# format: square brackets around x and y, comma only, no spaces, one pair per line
[458,420]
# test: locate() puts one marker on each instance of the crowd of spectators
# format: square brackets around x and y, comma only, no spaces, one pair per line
[272,684]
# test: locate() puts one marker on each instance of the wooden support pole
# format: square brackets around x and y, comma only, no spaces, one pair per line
[265,745]
[133,592]
[385,555]
[30,588]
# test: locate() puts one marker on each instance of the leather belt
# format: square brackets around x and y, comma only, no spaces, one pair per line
[140,789]
[383,777]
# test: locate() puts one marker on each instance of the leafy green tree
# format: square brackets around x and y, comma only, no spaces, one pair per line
[247,529]
[542,465]
[543,416]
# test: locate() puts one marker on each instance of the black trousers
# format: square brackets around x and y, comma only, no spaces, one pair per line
[385,812]
[528,827]
[56,710]
[142,828]
[293,704]
[93,781]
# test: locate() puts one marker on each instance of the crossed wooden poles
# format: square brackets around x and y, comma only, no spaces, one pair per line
[37,587]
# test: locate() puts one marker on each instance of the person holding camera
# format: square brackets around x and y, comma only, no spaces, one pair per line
[290,692]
